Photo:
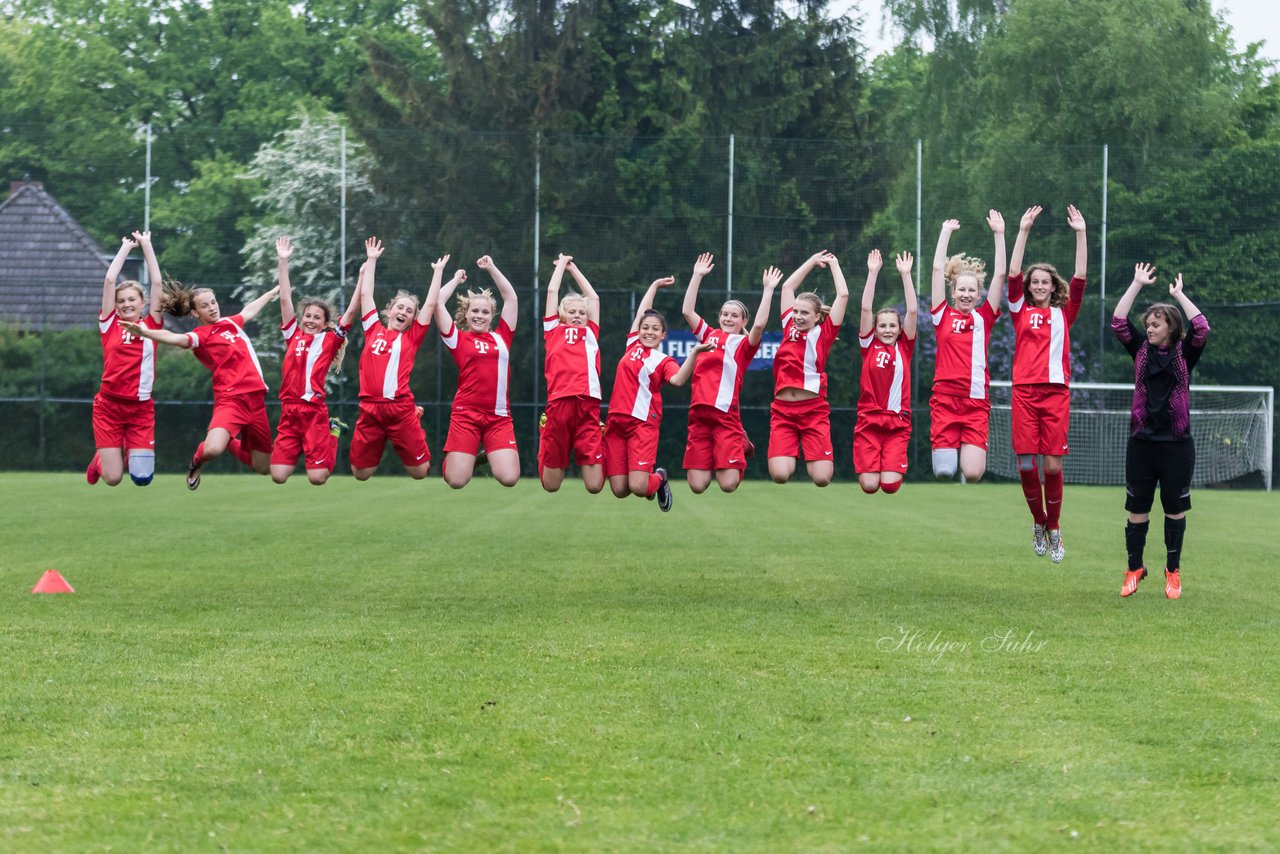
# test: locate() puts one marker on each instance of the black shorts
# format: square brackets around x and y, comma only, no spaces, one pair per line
[1169,463]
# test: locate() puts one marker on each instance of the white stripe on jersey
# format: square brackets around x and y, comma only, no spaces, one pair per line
[895,387]
[978,357]
[147,379]
[287,331]
[1057,332]
[937,315]
[500,401]
[313,355]
[450,338]
[104,325]
[644,394]
[592,347]
[391,379]
[729,372]
[812,376]
[253,354]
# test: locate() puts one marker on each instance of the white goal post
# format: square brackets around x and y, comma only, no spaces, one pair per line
[1232,427]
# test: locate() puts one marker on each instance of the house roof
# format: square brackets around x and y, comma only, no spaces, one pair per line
[51,269]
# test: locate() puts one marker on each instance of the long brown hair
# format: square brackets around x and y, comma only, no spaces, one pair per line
[1061,287]
[178,299]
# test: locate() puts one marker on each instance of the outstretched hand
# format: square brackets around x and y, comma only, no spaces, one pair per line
[373,248]
[772,276]
[284,249]
[1144,274]
[704,265]
[1029,217]
[904,262]
[142,238]
[564,260]
[1075,219]
[704,347]
[128,243]
[951,225]
[664,282]
[874,261]
[439,263]
[1175,287]
[484,262]
[995,221]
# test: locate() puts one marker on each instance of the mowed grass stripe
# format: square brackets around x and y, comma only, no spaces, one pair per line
[395,665]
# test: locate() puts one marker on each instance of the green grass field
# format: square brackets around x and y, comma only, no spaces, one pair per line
[391,666]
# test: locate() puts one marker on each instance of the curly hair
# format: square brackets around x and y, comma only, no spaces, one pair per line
[464,303]
[1061,288]
[961,264]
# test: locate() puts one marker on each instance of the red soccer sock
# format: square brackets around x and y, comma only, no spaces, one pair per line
[333,453]
[1032,492]
[1053,497]
[197,459]
[655,480]
[238,450]
[891,488]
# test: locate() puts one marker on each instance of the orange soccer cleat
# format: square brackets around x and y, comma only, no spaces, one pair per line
[1131,579]
[1172,584]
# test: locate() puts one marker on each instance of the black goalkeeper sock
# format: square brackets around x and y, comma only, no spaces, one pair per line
[1135,540]
[1173,531]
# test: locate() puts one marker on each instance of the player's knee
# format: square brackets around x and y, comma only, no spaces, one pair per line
[697,487]
[362,474]
[1026,462]
[318,478]
[972,475]
[822,480]
[454,481]
[554,485]
[594,488]
[729,487]
[508,480]
[142,467]
[279,477]
[890,487]
[944,463]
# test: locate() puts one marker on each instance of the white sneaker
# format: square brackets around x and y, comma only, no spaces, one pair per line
[1057,551]
[1039,539]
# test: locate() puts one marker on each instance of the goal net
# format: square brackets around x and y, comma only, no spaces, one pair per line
[1231,425]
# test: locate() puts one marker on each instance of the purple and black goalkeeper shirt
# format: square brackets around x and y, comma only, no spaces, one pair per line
[1161,380]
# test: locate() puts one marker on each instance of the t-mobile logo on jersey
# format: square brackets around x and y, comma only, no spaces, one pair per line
[482,347]
[379,346]
[300,349]
[227,335]
[882,359]
[793,335]
[637,354]
[127,337]
[959,324]
[1036,321]
[571,334]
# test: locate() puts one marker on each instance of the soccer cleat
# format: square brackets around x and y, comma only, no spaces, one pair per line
[193,476]
[337,427]
[1039,539]
[1131,579]
[1057,551]
[665,498]
[94,472]
[1172,584]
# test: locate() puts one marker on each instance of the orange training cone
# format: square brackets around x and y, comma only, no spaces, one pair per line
[52,582]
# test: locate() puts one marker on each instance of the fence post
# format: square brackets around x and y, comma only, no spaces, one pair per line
[537,251]
[729,248]
[1102,270]
[146,190]
[919,207]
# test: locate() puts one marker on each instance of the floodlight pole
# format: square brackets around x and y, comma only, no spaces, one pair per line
[1102,269]
[729,262]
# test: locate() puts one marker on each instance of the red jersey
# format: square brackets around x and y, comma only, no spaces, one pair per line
[226,350]
[963,339]
[637,386]
[1041,341]
[387,359]
[306,360]
[886,374]
[801,358]
[718,373]
[573,359]
[484,367]
[128,360]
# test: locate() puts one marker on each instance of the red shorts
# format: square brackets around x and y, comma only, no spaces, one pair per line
[121,423]
[716,440]
[629,445]
[800,424]
[473,429]
[573,424]
[1041,417]
[390,419]
[880,442]
[244,415]
[956,421]
[303,428]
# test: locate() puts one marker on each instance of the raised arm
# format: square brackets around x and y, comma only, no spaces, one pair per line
[429,304]
[1143,275]
[938,281]
[354,308]
[701,267]
[1076,220]
[1188,307]
[113,273]
[443,319]
[681,376]
[160,336]
[1000,272]
[284,251]
[867,318]
[793,282]
[593,299]
[250,311]
[510,301]
[646,302]
[143,239]
[372,251]
[770,281]
[909,322]
[841,302]
[1020,242]
[553,286]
